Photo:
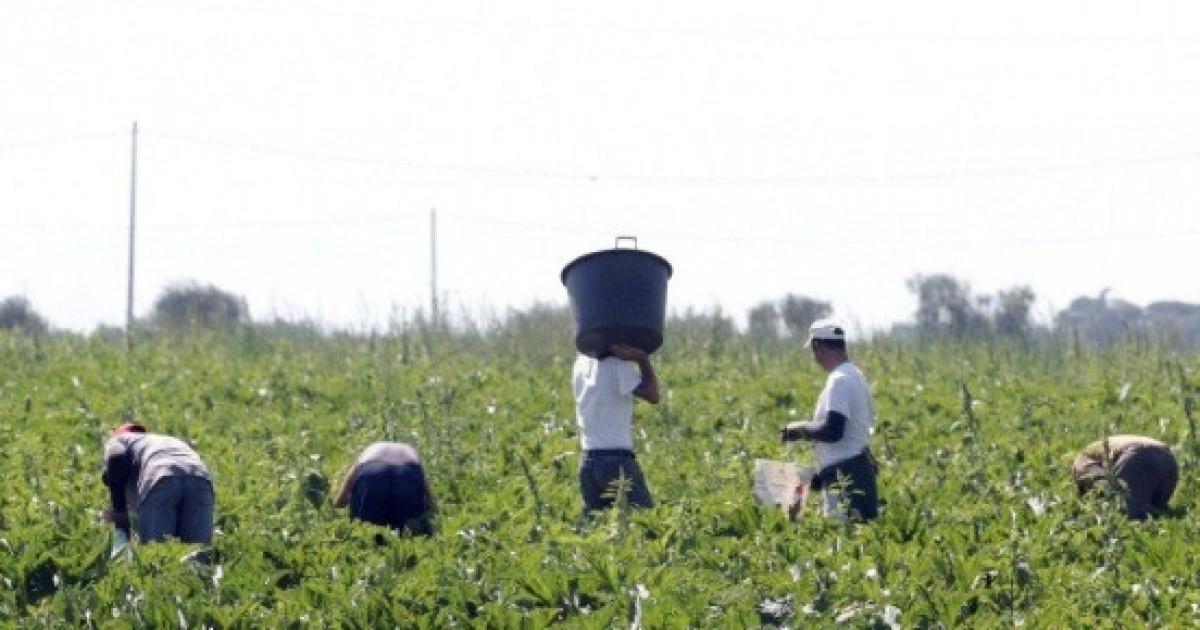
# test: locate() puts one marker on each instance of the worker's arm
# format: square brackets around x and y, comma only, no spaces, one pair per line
[647,389]
[343,496]
[118,468]
[831,430]
[430,502]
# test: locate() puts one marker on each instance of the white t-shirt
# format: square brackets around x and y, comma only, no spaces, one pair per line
[604,401]
[846,392]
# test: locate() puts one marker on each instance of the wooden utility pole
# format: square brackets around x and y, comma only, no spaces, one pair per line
[132,225]
[433,290]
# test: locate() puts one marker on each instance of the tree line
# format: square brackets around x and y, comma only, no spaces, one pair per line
[947,309]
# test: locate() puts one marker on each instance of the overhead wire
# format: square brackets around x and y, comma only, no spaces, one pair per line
[37,143]
[321,156]
[714,180]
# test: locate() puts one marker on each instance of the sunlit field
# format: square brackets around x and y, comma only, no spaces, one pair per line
[981,525]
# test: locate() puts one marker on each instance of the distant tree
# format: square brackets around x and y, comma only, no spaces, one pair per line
[1098,320]
[17,314]
[538,322]
[190,304]
[799,312]
[695,329]
[109,333]
[762,322]
[539,332]
[1179,320]
[945,307]
[1011,317]
[904,332]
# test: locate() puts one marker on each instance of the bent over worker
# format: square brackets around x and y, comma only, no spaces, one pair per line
[1145,465]
[841,428]
[162,481]
[605,390]
[386,485]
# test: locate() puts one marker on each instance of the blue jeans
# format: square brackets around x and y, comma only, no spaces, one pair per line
[599,472]
[179,507]
[391,495]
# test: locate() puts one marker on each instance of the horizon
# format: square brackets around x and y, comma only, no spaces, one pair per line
[463,317]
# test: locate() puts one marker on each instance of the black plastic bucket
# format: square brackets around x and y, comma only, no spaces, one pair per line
[617,295]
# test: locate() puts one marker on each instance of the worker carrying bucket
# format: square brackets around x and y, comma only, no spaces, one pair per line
[618,302]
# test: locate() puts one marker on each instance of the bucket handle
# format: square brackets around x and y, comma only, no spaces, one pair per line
[617,245]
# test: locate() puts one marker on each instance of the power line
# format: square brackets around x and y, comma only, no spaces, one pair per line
[684,180]
[691,237]
[37,143]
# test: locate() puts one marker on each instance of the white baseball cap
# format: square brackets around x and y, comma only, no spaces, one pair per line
[825,329]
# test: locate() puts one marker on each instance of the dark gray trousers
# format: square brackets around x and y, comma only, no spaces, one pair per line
[1150,475]
[599,472]
[856,479]
[178,507]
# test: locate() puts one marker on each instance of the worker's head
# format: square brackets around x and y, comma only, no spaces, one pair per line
[827,339]
[1088,474]
[128,426]
[1092,481]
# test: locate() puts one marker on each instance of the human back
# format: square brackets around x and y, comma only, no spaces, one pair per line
[604,400]
[1146,467]
[396,453]
[155,457]
[386,485]
[605,390]
[162,481]
[847,392]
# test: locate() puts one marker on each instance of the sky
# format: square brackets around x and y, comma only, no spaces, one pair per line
[291,151]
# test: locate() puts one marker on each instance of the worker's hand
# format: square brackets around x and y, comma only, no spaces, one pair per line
[120,519]
[628,352]
[796,509]
[792,431]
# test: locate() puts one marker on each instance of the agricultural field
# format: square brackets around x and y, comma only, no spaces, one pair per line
[981,528]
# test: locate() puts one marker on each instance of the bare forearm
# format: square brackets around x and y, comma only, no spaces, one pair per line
[117,472]
[430,501]
[647,390]
[343,496]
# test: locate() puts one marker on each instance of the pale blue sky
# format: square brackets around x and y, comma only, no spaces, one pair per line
[291,150]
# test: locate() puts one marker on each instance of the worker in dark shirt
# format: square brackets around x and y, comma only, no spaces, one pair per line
[1144,465]
[162,481]
[386,485]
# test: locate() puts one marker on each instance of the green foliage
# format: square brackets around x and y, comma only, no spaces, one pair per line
[982,526]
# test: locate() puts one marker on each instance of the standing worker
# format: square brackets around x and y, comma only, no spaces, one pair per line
[840,429]
[386,485]
[161,480]
[1145,465]
[605,390]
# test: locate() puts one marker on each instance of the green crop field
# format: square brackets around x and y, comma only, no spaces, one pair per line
[981,528]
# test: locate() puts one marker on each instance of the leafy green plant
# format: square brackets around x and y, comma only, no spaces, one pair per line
[981,527]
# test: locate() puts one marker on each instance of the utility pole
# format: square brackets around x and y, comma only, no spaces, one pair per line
[132,224]
[433,290]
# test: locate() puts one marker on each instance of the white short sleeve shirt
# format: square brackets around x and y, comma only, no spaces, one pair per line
[846,392]
[604,401]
